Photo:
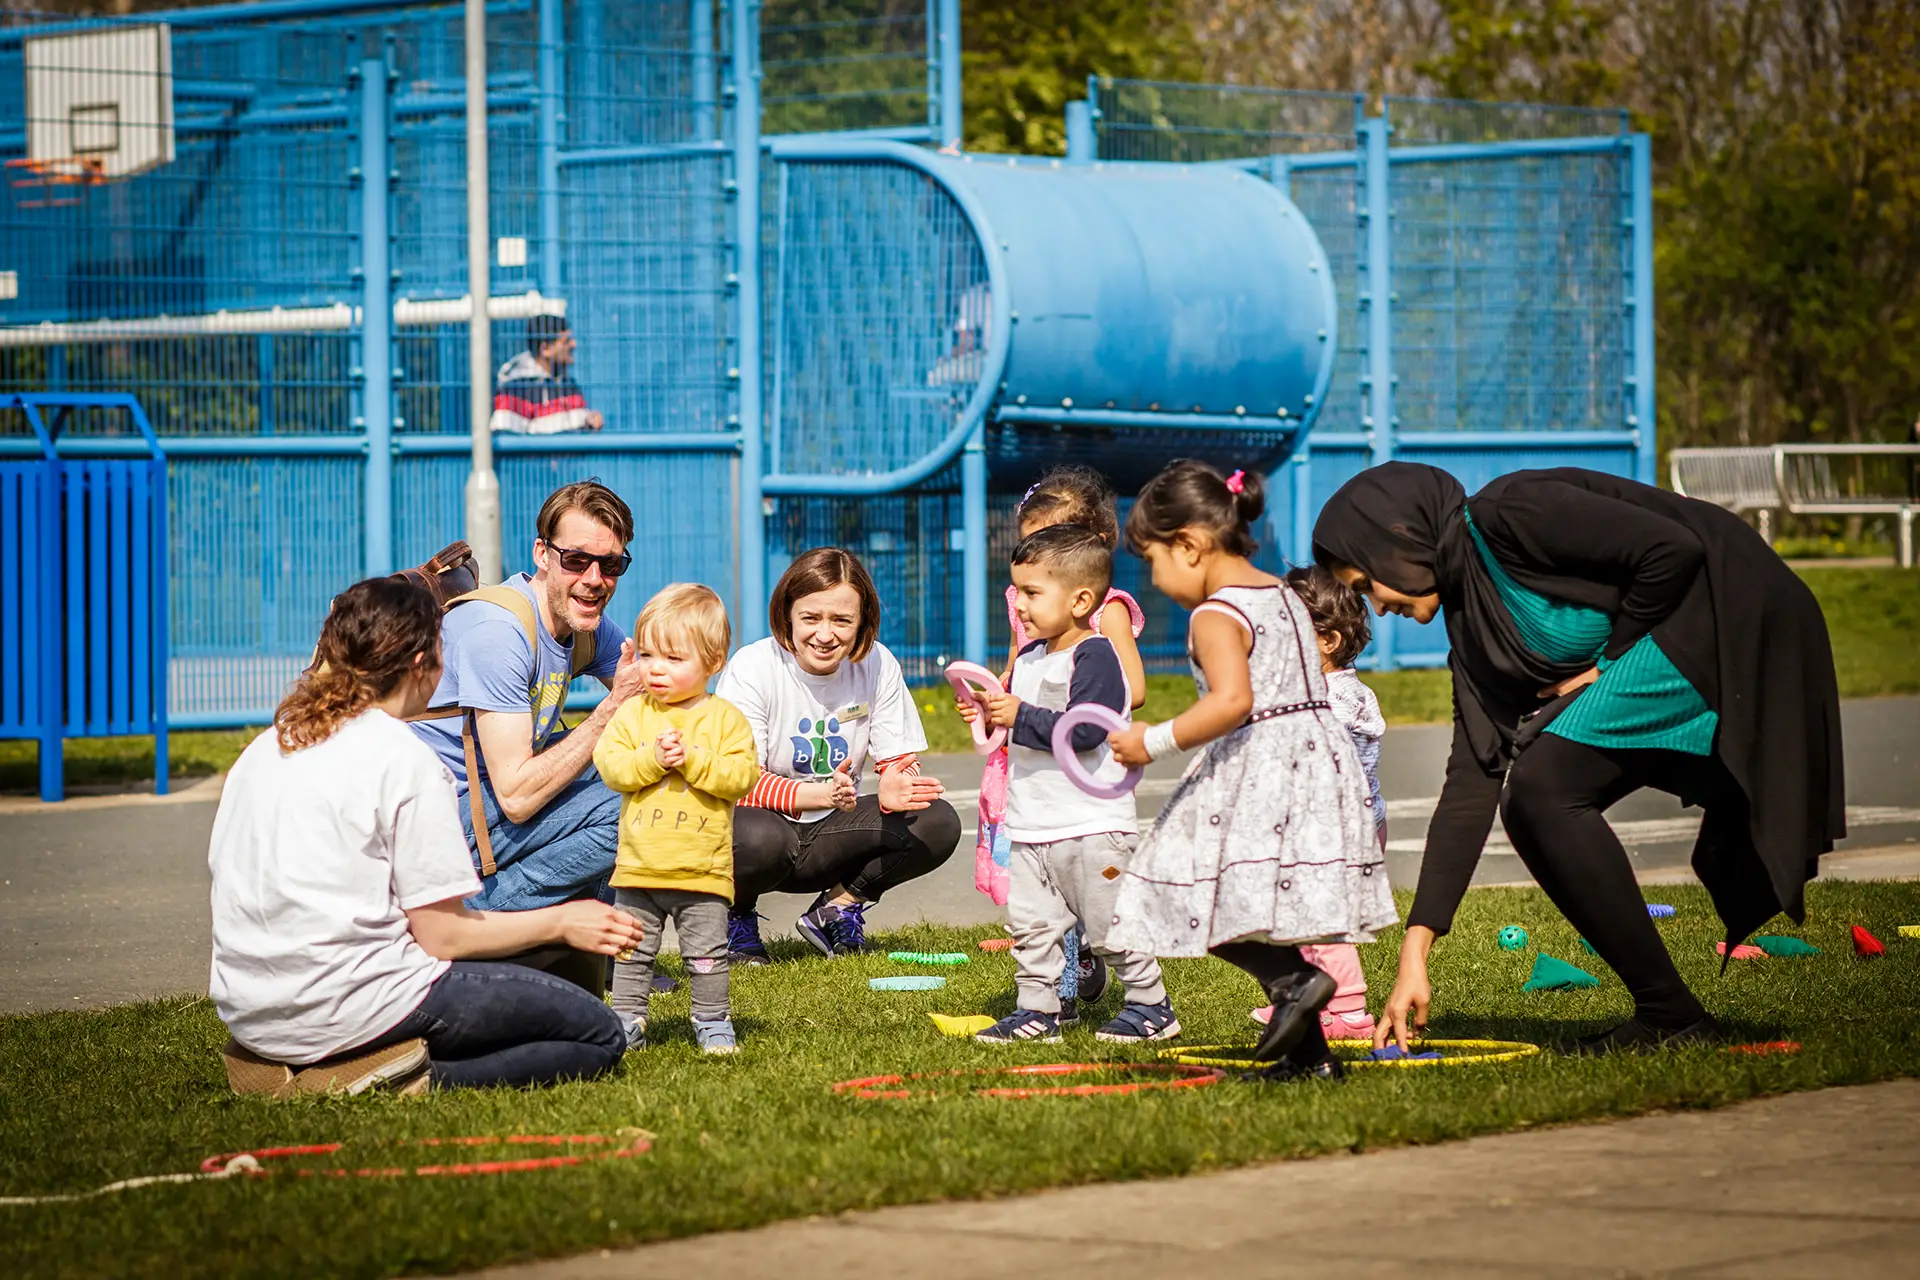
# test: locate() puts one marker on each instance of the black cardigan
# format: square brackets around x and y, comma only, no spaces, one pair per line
[1734,620]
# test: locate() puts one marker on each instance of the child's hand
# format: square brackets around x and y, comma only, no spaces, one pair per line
[1001,708]
[968,708]
[670,750]
[1129,746]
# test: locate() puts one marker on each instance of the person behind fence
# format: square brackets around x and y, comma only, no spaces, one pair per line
[1068,846]
[1340,630]
[535,393]
[344,958]
[542,825]
[680,758]
[1268,842]
[826,698]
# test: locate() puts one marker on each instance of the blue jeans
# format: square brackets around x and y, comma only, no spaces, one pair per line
[564,852]
[487,1023]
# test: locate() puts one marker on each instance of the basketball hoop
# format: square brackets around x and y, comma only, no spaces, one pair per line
[61,181]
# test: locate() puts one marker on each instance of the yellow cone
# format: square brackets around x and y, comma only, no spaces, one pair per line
[963,1025]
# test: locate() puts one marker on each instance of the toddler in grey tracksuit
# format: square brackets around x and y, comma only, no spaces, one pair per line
[1069,848]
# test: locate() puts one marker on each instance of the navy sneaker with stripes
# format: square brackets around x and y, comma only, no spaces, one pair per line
[1022,1026]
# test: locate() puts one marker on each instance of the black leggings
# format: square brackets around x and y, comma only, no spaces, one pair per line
[1554,808]
[867,851]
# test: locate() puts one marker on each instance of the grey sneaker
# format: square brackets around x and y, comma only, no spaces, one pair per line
[636,1029]
[715,1037]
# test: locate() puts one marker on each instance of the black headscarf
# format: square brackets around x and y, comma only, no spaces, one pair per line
[1727,612]
[1404,525]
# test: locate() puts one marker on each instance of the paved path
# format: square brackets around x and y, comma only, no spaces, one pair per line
[1808,1185]
[104,899]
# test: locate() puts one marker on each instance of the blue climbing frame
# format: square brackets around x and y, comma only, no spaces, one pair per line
[802,324]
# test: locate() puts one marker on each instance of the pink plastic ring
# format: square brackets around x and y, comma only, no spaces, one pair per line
[1110,720]
[969,681]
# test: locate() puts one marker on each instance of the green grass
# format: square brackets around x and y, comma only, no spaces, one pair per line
[1873,614]
[92,1097]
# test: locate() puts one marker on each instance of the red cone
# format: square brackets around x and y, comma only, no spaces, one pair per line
[1865,945]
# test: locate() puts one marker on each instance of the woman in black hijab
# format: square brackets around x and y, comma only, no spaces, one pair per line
[1606,636]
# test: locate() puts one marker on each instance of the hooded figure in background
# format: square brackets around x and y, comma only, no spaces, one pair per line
[1606,636]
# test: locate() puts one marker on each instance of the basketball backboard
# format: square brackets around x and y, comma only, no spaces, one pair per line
[103,98]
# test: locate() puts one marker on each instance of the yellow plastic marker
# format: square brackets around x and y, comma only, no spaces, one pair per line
[1910,930]
[961,1024]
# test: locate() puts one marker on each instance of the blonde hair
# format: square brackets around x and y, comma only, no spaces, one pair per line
[686,613]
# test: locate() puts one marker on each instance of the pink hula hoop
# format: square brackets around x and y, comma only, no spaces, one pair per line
[1110,720]
[969,679]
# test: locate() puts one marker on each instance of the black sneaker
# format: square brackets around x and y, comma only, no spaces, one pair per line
[1093,975]
[743,937]
[1326,1068]
[834,930]
[1635,1036]
[1069,1013]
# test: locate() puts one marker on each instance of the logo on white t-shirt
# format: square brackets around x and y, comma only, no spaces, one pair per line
[818,748]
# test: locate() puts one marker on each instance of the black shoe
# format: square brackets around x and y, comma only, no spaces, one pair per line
[1325,1068]
[1635,1036]
[1295,1009]
[1094,975]
[1069,1014]
[664,983]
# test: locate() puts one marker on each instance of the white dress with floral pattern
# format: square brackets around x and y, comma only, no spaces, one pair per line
[1269,836]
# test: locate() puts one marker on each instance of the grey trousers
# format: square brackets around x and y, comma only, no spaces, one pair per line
[700,920]
[1049,887]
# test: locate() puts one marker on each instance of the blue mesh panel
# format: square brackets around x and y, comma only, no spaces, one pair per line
[1151,120]
[259,547]
[645,273]
[1421,121]
[843,64]
[870,270]
[1511,284]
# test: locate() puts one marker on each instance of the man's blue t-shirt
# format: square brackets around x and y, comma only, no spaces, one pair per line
[488,668]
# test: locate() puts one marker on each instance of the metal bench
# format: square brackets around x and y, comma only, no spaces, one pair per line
[1741,480]
[1807,479]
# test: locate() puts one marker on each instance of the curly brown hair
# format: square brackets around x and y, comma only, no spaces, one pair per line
[373,638]
[1334,607]
[1072,495]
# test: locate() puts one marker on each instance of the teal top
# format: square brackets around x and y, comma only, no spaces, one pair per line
[1640,699]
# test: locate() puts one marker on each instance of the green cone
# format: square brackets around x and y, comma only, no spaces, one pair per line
[1557,975]
[1777,945]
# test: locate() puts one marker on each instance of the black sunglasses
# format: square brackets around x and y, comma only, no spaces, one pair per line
[577,561]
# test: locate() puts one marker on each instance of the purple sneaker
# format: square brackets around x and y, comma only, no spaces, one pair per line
[834,930]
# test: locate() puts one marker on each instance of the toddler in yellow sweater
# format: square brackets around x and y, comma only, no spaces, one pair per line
[680,757]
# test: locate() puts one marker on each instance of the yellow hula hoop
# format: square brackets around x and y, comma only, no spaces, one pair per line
[1488,1051]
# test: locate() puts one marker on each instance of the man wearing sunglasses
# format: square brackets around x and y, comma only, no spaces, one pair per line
[552,825]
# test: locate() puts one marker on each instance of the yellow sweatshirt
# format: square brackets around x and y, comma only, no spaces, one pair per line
[676,825]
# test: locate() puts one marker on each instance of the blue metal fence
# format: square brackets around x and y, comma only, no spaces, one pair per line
[793,339]
[83,581]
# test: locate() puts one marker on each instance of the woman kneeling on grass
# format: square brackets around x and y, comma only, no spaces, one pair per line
[343,956]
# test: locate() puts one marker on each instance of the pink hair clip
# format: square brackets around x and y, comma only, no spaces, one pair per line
[1236,482]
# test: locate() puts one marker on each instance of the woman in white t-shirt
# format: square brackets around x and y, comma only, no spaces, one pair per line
[343,956]
[824,699]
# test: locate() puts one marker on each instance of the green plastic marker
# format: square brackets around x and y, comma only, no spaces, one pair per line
[928,957]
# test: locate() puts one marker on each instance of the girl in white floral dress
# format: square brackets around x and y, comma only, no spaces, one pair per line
[1268,842]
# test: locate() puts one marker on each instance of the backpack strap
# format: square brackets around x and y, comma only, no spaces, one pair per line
[581,657]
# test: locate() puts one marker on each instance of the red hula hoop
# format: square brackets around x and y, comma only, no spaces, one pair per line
[1765,1047]
[1181,1076]
[639,1144]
